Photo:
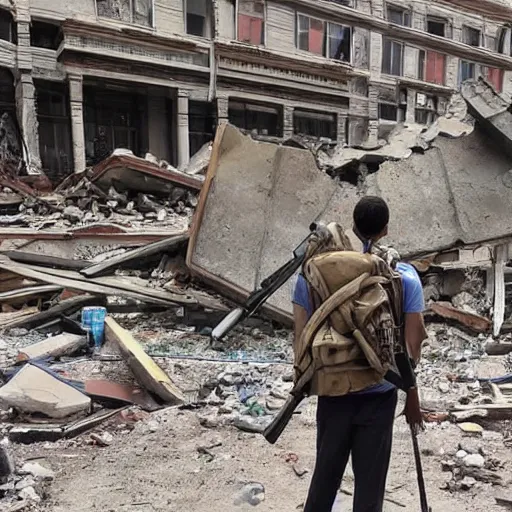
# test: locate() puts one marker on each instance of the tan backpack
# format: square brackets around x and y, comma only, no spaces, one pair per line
[357,325]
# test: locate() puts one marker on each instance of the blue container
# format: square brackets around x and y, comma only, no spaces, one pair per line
[93,321]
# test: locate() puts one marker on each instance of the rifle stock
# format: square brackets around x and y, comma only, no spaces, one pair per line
[273,432]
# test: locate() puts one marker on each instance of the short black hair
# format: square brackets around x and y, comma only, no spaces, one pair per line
[371,216]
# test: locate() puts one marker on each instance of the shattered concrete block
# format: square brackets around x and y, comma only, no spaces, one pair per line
[56,346]
[37,471]
[33,390]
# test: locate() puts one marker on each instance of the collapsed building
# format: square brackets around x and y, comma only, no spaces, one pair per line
[86,77]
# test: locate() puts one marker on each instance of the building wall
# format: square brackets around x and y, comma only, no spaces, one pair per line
[159,122]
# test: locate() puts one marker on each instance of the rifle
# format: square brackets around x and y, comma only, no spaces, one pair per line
[419,472]
[268,286]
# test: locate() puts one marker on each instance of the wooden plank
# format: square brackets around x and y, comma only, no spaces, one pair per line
[500,259]
[493,411]
[67,306]
[101,286]
[147,372]
[7,318]
[45,261]
[139,253]
[56,346]
[27,293]
[474,322]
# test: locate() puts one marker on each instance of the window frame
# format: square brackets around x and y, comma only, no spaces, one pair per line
[152,26]
[423,75]
[13,32]
[439,20]
[248,106]
[208,19]
[480,35]
[403,11]
[400,43]
[326,45]
[461,62]
[264,19]
[316,115]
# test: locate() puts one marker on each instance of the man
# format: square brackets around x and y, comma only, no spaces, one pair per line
[361,423]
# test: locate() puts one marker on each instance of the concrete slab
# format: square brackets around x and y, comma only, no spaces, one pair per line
[33,390]
[259,199]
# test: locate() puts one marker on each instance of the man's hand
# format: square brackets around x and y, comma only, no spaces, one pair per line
[412,410]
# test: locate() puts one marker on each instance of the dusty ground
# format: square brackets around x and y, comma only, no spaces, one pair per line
[157,467]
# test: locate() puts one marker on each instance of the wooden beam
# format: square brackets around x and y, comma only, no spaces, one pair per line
[500,259]
[147,372]
[45,261]
[139,253]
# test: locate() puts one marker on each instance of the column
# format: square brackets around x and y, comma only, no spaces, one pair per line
[410,114]
[222,110]
[342,127]
[77,121]
[373,116]
[183,131]
[27,116]
[287,122]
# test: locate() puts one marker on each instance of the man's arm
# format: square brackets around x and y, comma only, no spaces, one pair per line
[300,319]
[415,334]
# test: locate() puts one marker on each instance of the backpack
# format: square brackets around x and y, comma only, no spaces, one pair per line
[356,329]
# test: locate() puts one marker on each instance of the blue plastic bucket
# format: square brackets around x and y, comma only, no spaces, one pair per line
[93,321]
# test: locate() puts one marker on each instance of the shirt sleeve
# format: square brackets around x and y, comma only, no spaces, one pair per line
[414,301]
[301,294]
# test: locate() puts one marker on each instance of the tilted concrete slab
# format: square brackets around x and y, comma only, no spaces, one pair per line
[259,199]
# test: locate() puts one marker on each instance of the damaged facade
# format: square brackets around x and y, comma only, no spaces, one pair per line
[84,78]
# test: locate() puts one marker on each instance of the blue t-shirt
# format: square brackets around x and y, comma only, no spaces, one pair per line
[414,302]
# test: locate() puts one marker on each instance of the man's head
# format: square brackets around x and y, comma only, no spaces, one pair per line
[371,218]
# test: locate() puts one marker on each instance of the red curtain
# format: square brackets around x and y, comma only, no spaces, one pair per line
[250,29]
[495,76]
[435,68]
[316,37]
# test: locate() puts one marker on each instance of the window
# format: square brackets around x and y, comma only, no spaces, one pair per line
[7,26]
[322,38]
[45,35]
[54,129]
[388,112]
[198,17]
[202,122]
[392,58]
[436,26]
[432,67]
[471,36]
[138,12]
[258,119]
[399,16]
[251,21]
[467,71]
[314,124]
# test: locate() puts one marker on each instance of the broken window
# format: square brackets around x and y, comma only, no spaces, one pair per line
[251,21]
[10,135]
[45,35]
[7,26]
[138,12]
[54,129]
[388,112]
[436,26]
[467,71]
[471,36]
[202,121]
[113,119]
[432,67]
[399,16]
[322,38]
[426,109]
[392,57]
[256,118]
[198,17]
[314,124]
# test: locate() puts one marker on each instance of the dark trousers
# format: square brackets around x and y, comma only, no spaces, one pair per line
[361,425]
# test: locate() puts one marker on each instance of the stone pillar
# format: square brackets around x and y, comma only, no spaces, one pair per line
[183,131]
[77,121]
[373,115]
[287,122]
[342,127]
[410,114]
[222,111]
[27,117]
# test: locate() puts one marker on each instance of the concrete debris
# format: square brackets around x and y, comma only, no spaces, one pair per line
[252,493]
[50,397]
[56,346]
[199,162]
[474,460]
[37,471]
[29,494]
